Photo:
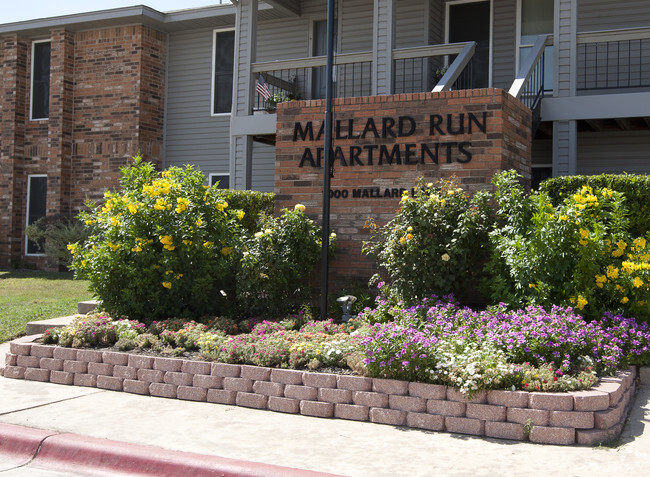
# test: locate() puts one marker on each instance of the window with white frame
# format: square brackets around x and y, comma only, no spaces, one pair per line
[36,208]
[536,18]
[40,84]
[223,60]
[222,181]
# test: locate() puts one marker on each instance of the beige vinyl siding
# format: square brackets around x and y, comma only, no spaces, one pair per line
[281,40]
[263,167]
[504,43]
[356,26]
[192,134]
[614,152]
[595,15]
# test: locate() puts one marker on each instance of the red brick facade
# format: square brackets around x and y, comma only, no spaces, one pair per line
[383,144]
[105,106]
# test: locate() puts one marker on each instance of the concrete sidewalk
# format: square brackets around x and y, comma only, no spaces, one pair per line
[300,442]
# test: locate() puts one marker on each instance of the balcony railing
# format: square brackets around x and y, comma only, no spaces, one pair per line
[613,59]
[423,68]
[416,69]
[304,78]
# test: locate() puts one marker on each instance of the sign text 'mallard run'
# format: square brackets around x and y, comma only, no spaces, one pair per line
[367,153]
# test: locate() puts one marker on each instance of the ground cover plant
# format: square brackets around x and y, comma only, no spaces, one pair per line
[434,341]
[31,296]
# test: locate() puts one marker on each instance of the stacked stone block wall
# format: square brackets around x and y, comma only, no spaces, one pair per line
[581,417]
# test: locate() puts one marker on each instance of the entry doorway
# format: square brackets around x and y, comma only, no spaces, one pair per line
[472,21]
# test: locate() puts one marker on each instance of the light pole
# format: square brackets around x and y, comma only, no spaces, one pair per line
[329,70]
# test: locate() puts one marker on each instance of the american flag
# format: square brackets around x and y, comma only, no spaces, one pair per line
[262,88]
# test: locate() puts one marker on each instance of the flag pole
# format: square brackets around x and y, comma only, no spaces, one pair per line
[329,70]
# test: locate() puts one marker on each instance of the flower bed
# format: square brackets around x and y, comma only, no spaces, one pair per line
[578,417]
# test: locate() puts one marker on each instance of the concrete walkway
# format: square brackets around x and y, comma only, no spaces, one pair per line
[300,442]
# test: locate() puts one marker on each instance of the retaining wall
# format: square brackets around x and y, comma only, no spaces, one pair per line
[580,417]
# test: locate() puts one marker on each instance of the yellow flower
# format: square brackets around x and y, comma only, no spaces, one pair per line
[187,242]
[532,285]
[268,231]
[208,244]
[166,239]
[114,247]
[612,272]
[89,222]
[259,235]
[137,248]
[240,214]
[115,222]
[133,209]
[583,243]
[624,300]
[409,229]
[199,222]
[226,251]
[169,272]
[222,205]
[637,282]
[161,204]
[445,257]
[402,240]
[600,280]
[178,276]
[167,285]
[563,217]
[640,242]
[300,207]
[72,247]
[182,205]
[409,236]
[584,233]
[582,301]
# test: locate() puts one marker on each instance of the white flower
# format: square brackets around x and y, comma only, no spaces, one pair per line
[445,257]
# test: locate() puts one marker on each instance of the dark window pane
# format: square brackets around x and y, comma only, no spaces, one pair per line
[224,57]
[224,181]
[539,174]
[41,81]
[471,22]
[37,201]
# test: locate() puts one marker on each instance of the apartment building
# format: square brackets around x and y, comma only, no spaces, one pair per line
[80,94]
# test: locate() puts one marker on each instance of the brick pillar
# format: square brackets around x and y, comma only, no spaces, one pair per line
[151,95]
[13,94]
[59,132]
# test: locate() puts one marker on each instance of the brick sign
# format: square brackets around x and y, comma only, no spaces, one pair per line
[381,145]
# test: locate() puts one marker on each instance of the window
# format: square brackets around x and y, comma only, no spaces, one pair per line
[223,67]
[222,181]
[536,18]
[40,94]
[36,208]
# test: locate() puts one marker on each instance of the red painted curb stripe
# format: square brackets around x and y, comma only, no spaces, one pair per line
[74,453]
[21,443]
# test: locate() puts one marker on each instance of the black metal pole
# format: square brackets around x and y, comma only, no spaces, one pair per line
[329,69]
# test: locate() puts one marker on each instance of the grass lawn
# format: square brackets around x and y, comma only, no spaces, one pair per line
[30,296]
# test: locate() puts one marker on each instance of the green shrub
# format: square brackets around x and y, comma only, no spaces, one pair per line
[633,187]
[54,233]
[578,253]
[163,246]
[434,242]
[256,205]
[276,263]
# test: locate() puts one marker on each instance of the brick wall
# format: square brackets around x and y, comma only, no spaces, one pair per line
[106,105]
[476,133]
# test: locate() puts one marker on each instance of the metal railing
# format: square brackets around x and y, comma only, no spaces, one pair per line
[304,78]
[613,59]
[528,86]
[422,68]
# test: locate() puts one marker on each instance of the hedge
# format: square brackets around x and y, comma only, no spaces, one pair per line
[635,188]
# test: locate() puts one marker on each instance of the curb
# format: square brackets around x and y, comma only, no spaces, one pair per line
[77,454]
